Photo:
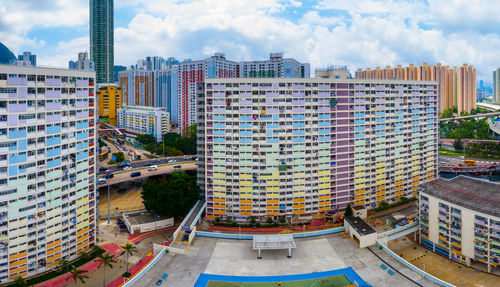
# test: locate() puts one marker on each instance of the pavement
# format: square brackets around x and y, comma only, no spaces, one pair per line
[443,268]
[131,200]
[236,257]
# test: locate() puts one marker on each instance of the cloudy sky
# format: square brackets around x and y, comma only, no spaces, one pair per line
[356,33]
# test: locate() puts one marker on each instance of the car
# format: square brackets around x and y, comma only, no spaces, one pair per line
[135,174]
[147,164]
[101,180]
[442,162]
[102,168]
[155,160]
[124,149]
[127,167]
[153,167]
[177,167]
[108,175]
[122,190]
[170,161]
[108,170]
[125,163]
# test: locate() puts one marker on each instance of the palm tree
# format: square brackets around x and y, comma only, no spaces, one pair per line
[63,263]
[106,260]
[77,274]
[20,282]
[84,255]
[129,249]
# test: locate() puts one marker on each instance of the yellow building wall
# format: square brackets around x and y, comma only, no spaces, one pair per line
[109,101]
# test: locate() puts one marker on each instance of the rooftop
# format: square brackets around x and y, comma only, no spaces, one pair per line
[143,217]
[360,225]
[475,194]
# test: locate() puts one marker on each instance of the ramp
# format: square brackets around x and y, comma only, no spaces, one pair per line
[187,229]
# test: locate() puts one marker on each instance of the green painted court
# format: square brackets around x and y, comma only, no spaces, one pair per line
[333,281]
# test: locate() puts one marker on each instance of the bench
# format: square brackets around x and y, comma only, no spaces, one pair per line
[390,272]
[383,266]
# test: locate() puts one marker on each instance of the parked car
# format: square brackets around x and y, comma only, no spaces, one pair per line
[123,164]
[176,167]
[155,160]
[147,164]
[122,190]
[170,161]
[153,167]
[127,167]
[103,168]
[101,180]
[135,174]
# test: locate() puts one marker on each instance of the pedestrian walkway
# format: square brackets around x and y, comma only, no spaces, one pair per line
[133,270]
[134,238]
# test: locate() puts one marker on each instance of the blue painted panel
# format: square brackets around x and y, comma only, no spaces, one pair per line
[82,135]
[54,140]
[359,129]
[20,158]
[272,126]
[245,134]
[219,118]
[12,170]
[81,146]
[324,138]
[380,114]
[299,125]
[82,155]
[13,147]
[53,152]
[245,118]
[220,125]
[359,115]
[415,128]
[298,117]
[399,112]
[53,129]
[381,133]
[219,133]
[82,125]
[21,144]
[359,122]
[380,127]
[17,134]
[276,117]
[298,132]
[380,120]
[298,140]
[324,131]
[324,116]
[53,163]
[272,140]
[219,140]
[324,124]
[269,132]
[359,135]
[245,140]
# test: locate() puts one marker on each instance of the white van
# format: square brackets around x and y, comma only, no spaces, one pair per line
[153,167]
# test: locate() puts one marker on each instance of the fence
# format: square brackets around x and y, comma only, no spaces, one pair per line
[250,236]
[413,267]
[145,269]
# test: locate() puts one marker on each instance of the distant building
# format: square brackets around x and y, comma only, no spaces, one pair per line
[102,39]
[457,84]
[144,120]
[275,67]
[83,63]
[496,85]
[6,56]
[26,59]
[460,219]
[333,72]
[110,101]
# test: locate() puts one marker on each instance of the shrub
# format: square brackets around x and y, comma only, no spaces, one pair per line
[269,220]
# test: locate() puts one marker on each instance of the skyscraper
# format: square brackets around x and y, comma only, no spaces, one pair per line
[496,85]
[101,39]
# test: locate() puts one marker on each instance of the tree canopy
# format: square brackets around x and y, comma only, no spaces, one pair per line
[174,197]
[146,139]
[175,144]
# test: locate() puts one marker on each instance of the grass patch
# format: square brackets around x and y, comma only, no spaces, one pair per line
[96,251]
[454,153]
[399,203]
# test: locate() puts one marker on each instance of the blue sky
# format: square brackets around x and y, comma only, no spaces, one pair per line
[356,33]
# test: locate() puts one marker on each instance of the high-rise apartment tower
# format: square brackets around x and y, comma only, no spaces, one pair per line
[101,39]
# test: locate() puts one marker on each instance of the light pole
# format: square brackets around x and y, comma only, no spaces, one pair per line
[156,219]
[107,181]
[423,264]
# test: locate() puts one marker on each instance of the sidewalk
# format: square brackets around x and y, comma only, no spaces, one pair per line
[135,238]
[281,229]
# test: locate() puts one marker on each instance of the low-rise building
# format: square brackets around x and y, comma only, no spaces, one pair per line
[147,120]
[460,219]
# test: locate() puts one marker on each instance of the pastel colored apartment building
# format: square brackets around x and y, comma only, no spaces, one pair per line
[47,168]
[457,84]
[275,67]
[110,100]
[297,147]
[144,120]
[460,219]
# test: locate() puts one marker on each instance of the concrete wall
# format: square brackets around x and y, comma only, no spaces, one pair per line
[433,219]
[364,240]
[467,233]
[150,226]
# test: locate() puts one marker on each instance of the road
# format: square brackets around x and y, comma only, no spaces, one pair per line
[445,160]
[125,176]
[138,164]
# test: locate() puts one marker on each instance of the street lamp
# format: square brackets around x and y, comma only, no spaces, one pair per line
[156,219]
[107,181]
[423,264]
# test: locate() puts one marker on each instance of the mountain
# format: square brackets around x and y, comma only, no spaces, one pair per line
[6,55]
[118,69]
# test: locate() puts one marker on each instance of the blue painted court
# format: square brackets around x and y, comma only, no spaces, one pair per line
[347,273]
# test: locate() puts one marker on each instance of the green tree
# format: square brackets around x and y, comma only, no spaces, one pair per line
[84,254]
[145,139]
[253,221]
[119,156]
[105,260]
[348,210]
[455,109]
[384,205]
[20,282]
[447,113]
[151,147]
[63,264]
[172,198]
[458,145]
[77,274]
[129,249]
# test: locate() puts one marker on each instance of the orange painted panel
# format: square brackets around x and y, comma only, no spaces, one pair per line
[22,274]
[380,198]
[245,207]
[361,202]
[54,257]
[81,244]
[220,212]
[399,187]
[272,213]
[80,239]
[298,211]
[245,213]
[271,201]
[380,187]
[415,178]
[361,191]
[246,201]
[327,208]
[55,250]
[299,200]
[220,200]
[82,231]
[430,173]
[399,182]
[359,197]
[220,206]
[18,262]
[211,216]
[430,178]
[399,193]
[324,203]
[53,244]
[300,205]
[382,192]
[324,197]
[18,255]
[416,182]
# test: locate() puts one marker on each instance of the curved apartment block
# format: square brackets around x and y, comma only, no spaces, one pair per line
[297,147]
[47,162]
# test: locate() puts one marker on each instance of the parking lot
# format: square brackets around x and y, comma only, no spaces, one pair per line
[129,200]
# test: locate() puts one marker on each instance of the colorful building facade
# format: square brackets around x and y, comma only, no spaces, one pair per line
[297,147]
[145,120]
[47,168]
[110,100]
